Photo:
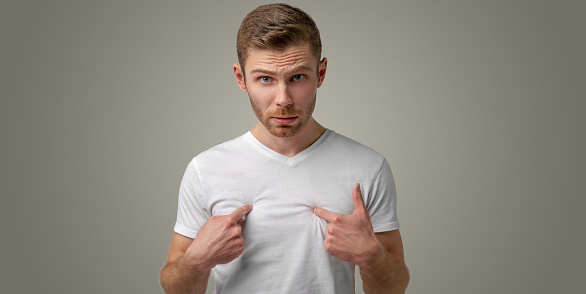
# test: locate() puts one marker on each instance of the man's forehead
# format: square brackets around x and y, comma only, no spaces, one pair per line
[292,58]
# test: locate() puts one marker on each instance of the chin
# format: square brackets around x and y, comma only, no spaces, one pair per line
[284,132]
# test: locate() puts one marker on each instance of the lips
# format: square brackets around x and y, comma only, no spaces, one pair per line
[284,120]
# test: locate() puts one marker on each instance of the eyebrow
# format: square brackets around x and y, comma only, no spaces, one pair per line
[266,71]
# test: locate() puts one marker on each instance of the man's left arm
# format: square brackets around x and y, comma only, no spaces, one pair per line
[378,255]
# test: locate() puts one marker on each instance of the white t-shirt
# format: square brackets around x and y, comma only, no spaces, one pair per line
[283,238]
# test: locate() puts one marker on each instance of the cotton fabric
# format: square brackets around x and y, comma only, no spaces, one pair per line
[284,251]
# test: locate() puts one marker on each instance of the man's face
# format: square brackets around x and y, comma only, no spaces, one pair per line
[282,87]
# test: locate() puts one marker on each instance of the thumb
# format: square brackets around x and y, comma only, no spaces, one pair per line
[358,200]
[359,209]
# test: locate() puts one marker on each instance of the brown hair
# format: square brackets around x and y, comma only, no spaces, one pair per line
[276,26]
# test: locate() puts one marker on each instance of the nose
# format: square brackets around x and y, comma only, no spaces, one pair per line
[283,98]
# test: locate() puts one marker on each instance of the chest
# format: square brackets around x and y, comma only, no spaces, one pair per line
[281,195]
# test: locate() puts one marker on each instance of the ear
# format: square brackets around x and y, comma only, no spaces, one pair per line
[323,65]
[240,77]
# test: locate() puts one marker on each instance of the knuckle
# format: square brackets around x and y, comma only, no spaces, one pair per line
[328,245]
[239,242]
[328,240]
[336,220]
[230,219]
[331,230]
[235,232]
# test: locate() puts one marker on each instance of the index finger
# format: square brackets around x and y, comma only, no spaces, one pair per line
[240,212]
[327,215]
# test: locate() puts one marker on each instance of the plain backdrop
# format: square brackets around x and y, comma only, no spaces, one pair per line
[479,107]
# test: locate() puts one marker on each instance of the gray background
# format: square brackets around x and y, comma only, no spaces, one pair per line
[478,106]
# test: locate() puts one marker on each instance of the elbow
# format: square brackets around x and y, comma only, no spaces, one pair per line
[164,278]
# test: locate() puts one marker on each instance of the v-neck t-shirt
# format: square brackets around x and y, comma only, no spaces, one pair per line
[283,238]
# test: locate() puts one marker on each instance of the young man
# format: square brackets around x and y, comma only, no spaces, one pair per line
[289,207]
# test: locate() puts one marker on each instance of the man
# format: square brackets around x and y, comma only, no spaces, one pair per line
[289,207]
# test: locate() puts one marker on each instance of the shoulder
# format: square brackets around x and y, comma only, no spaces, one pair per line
[349,149]
[223,152]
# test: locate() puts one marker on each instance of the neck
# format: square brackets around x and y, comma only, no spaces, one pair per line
[290,146]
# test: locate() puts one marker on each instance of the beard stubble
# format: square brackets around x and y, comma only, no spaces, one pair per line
[284,131]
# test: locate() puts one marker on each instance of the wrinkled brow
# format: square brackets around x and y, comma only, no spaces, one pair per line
[270,72]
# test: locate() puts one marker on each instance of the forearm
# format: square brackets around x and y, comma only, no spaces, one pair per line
[177,278]
[384,275]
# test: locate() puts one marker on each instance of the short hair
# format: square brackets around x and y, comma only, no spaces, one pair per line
[276,27]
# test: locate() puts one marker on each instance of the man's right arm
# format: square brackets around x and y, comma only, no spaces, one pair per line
[176,276]
[219,241]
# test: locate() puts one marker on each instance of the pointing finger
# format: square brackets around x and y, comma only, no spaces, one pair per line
[326,214]
[240,212]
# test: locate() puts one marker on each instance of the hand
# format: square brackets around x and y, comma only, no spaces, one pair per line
[351,237]
[219,240]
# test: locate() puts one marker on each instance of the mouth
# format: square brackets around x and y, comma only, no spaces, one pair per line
[284,120]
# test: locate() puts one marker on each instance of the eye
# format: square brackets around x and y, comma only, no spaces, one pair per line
[265,79]
[298,77]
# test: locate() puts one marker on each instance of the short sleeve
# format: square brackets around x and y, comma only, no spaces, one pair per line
[382,201]
[191,211]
